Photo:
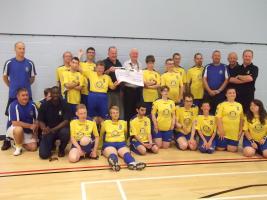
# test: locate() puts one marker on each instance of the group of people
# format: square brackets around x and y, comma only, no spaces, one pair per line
[205,108]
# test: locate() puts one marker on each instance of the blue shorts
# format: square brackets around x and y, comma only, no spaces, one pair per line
[97,104]
[225,142]
[204,150]
[177,135]
[87,149]
[135,144]
[166,136]
[261,147]
[116,145]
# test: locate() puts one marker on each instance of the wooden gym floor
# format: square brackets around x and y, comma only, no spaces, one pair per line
[171,174]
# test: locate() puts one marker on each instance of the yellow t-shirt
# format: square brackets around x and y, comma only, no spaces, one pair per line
[73,95]
[174,82]
[185,117]
[140,127]
[231,114]
[194,79]
[181,72]
[99,83]
[164,110]
[114,131]
[149,94]
[78,129]
[59,76]
[206,124]
[86,68]
[256,129]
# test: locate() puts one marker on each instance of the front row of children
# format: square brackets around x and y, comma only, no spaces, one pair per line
[181,123]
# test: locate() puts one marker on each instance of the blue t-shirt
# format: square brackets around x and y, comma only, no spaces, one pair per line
[216,75]
[19,74]
[27,114]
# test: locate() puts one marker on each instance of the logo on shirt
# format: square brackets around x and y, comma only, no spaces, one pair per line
[232,115]
[115,133]
[248,72]
[142,131]
[166,112]
[120,127]
[27,69]
[173,83]
[59,112]
[199,77]
[145,124]
[258,128]
[31,113]
[221,72]
[86,128]
[187,121]
[206,129]
[99,84]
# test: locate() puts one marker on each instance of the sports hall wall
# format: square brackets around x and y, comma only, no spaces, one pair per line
[156,27]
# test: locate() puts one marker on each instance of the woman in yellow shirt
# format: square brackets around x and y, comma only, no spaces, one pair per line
[229,117]
[255,128]
[113,132]
[84,136]
[163,117]
[151,83]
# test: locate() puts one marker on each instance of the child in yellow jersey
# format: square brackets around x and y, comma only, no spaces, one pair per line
[97,98]
[73,83]
[151,83]
[163,117]
[255,128]
[229,117]
[84,136]
[186,115]
[173,81]
[140,132]
[194,79]
[113,132]
[205,126]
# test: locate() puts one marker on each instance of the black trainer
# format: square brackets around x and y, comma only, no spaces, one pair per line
[6,145]
[140,166]
[114,165]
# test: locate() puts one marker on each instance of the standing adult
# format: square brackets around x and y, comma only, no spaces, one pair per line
[233,68]
[132,93]
[54,117]
[247,75]
[111,63]
[19,72]
[215,80]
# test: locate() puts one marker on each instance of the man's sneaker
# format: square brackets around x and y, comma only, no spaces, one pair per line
[18,151]
[6,145]
[114,165]
[136,165]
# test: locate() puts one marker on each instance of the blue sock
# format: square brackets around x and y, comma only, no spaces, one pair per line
[113,157]
[127,157]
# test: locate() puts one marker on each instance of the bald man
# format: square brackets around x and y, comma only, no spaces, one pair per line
[19,72]
[233,68]
[132,93]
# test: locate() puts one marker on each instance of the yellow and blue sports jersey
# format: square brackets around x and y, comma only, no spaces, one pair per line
[174,82]
[86,68]
[114,131]
[181,71]
[140,127]
[150,95]
[99,83]
[231,113]
[256,129]
[206,124]
[164,110]
[185,117]
[60,78]
[195,80]
[73,95]
[78,129]
[85,86]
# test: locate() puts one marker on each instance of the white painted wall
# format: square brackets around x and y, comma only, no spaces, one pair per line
[229,21]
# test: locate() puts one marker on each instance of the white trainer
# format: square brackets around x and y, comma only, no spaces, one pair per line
[18,151]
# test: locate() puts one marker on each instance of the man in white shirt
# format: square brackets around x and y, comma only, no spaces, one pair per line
[132,93]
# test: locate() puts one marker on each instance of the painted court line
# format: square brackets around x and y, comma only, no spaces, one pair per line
[240,197]
[119,181]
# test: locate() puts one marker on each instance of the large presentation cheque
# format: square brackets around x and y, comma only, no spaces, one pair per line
[133,77]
